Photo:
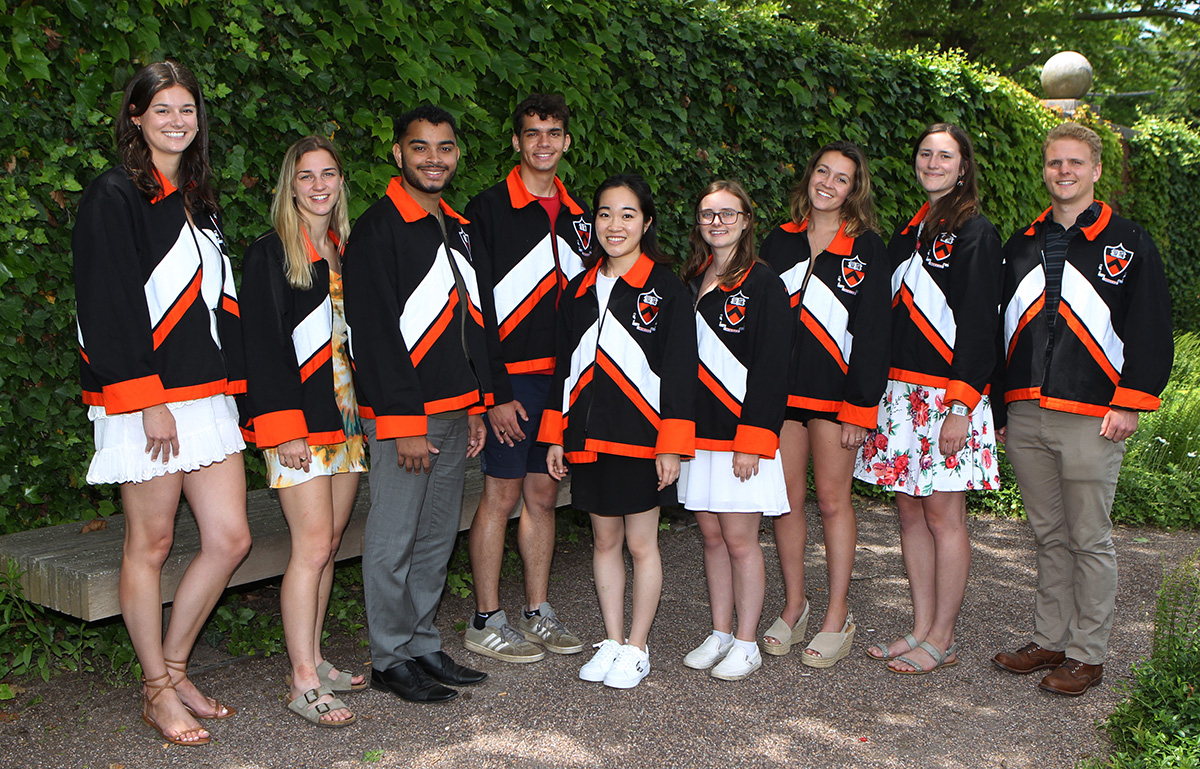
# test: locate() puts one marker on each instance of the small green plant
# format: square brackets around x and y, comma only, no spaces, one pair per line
[372,756]
[247,631]
[1159,725]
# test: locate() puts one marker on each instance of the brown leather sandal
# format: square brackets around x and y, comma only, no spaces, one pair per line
[219,711]
[153,691]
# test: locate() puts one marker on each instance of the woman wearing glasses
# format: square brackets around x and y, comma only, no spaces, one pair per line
[743,329]
[834,267]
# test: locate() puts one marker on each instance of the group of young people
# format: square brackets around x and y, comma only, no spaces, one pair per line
[554,338]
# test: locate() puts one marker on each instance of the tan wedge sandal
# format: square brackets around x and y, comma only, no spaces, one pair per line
[830,647]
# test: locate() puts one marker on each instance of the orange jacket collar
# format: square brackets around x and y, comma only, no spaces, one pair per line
[167,188]
[410,209]
[520,196]
[636,276]
[916,220]
[1090,231]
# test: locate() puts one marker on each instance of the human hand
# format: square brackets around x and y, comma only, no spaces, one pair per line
[1001,434]
[161,436]
[1118,424]
[852,436]
[953,435]
[554,462]
[476,435]
[745,466]
[412,453]
[294,454]
[506,421]
[667,466]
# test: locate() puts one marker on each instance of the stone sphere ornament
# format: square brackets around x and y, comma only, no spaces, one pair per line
[1067,75]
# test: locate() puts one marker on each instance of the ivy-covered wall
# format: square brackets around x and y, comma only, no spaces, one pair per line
[682,91]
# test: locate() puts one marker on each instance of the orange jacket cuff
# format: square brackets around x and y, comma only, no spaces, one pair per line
[1134,400]
[963,393]
[134,395]
[676,436]
[387,427]
[279,427]
[755,440]
[551,430]
[860,416]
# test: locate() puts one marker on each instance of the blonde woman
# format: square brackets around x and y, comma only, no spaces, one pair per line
[301,404]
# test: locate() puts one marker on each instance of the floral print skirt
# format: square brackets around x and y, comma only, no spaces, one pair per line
[902,453]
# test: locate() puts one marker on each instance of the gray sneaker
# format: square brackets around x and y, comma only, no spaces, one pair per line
[500,641]
[547,630]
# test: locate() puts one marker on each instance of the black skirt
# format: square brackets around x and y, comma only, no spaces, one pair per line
[615,485]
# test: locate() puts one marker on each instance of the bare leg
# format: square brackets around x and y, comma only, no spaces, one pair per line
[641,535]
[608,571]
[917,546]
[149,530]
[535,536]
[345,488]
[833,468]
[217,496]
[791,530]
[717,571]
[740,531]
[946,520]
[486,540]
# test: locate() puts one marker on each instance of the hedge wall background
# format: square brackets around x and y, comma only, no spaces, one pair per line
[682,92]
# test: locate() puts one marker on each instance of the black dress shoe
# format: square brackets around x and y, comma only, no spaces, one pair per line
[440,667]
[408,681]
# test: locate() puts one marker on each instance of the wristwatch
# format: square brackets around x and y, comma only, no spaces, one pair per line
[959,410]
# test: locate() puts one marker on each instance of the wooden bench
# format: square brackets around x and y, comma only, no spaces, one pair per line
[77,573]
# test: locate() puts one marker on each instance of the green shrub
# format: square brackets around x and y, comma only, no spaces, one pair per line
[1159,725]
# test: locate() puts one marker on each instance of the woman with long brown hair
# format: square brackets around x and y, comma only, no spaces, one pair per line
[161,357]
[935,439]
[835,269]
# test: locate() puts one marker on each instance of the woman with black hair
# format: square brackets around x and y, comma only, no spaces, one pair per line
[935,438]
[161,358]
[620,411]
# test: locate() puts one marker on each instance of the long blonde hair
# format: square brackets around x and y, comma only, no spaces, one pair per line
[285,216]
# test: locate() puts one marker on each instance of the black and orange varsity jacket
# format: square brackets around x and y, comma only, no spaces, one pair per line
[743,335]
[624,383]
[407,320]
[146,334]
[1112,337]
[289,341]
[945,301]
[525,270]
[839,362]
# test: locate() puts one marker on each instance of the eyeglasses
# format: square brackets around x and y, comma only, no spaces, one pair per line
[726,215]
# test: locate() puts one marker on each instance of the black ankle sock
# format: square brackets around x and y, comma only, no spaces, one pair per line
[530,614]
[481,618]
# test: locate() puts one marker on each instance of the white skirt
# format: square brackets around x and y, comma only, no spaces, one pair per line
[707,484]
[207,428]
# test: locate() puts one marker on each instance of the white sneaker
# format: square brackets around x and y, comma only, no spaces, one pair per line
[629,668]
[601,662]
[708,653]
[737,664]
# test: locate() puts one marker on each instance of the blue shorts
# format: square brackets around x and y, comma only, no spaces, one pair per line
[500,460]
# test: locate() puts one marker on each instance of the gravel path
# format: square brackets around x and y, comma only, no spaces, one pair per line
[542,716]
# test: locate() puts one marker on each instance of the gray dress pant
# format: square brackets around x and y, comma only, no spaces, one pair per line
[408,540]
[1068,476]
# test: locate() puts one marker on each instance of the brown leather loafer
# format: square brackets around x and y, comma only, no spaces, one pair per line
[1073,678]
[1029,658]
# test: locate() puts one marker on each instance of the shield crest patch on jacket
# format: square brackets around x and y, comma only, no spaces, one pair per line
[735,308]
[852,272]
[942,247]
[1116,261]
[583,231]
[647,308]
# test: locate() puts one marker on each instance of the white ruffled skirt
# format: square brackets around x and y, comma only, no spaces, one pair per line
[207,428]
[707,484]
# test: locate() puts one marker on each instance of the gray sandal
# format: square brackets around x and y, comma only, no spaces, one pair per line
[307,707]
[939,660]
[343,683]
[907,638]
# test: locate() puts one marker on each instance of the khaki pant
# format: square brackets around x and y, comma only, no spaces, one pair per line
[1068,475]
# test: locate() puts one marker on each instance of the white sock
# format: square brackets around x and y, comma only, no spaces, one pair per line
[724,638]
[747,646]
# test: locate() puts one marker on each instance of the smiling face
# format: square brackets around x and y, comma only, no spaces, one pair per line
[831,182]
[428,158]
[317,184]
[939,164]
[722,237]
[168,125]
[1070,173]
[541,143]
[620,222]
